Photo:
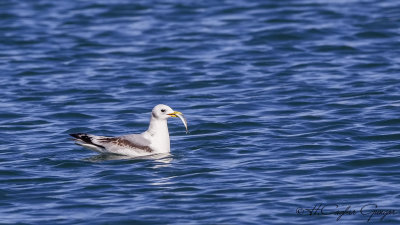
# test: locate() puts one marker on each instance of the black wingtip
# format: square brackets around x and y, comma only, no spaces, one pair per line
[85,138]
[77,135]
[82,136]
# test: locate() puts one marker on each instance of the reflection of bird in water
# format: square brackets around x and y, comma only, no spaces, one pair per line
[163,158]
[153,141]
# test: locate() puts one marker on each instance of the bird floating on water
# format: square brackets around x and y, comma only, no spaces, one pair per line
[153,141]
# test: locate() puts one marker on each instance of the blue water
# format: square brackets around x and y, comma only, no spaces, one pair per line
[290,104]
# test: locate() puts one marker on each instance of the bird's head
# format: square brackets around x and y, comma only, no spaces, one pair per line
[164,112]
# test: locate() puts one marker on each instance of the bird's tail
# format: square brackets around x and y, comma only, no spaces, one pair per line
[82,137]
[86,140]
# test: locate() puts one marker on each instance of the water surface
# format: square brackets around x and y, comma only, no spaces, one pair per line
[289,103]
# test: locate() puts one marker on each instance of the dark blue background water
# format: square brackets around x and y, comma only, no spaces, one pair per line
[289,103]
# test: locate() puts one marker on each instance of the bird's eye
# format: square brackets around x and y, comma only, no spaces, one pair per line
[162,110]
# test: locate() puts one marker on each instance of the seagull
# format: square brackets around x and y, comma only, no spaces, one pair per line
[153,141]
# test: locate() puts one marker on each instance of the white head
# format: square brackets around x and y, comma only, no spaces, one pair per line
[163,112]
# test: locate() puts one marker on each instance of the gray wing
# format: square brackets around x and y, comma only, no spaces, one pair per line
[133,142]
[137,138]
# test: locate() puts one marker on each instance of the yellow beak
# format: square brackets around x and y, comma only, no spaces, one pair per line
[180,115]
[175,113]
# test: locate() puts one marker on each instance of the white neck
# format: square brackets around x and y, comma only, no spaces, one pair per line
[158,135]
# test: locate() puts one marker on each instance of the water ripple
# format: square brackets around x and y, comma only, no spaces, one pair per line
[289,104]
